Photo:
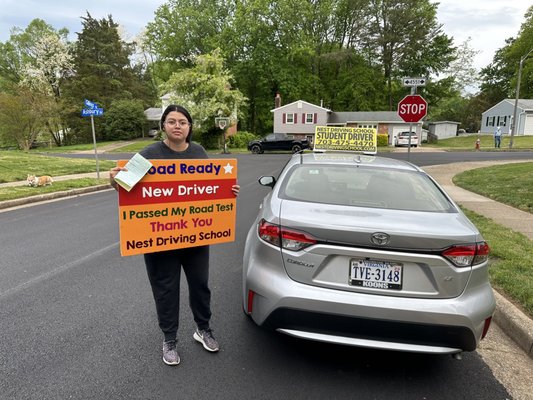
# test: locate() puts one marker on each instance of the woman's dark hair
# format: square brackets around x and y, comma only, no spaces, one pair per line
[180,109]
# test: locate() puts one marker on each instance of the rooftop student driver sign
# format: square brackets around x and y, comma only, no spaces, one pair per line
[346,139]
[177,204]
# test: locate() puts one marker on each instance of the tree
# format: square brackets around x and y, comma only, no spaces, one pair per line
[103,74]
[465,75]
[405,38]
[499,79]
[205,90]
[21,119]
[125,120]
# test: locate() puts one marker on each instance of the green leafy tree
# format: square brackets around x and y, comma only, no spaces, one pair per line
[124,120]
[499,79]
[205,90]
[21,118]
[102,73]
[406,40]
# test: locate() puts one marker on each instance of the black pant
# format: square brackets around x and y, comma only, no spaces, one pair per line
[164,271]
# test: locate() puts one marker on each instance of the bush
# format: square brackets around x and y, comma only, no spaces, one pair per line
[383,140]
[240,140]
[210,140]
[124,120]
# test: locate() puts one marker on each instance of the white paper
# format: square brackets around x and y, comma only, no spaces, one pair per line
[137,167]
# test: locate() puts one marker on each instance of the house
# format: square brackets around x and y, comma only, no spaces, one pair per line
[300,118]
[502,113]
[443,129]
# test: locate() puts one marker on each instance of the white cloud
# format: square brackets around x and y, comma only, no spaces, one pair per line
[488,22]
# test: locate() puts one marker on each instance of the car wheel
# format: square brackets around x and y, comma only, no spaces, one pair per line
[256,149]
[296,148]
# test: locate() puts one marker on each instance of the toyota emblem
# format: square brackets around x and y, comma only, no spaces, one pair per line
[380,238]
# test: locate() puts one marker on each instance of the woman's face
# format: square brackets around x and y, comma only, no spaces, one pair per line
[176,127]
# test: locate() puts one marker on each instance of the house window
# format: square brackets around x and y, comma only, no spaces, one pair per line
[290,118]
[309,118]
[367,126]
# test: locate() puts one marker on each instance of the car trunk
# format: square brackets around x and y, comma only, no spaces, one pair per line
[345,258]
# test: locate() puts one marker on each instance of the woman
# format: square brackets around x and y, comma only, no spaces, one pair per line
[164,268]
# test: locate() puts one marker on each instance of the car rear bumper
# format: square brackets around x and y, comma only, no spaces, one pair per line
[374,321]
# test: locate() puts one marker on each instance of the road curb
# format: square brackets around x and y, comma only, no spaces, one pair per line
[517,325]
[51,196]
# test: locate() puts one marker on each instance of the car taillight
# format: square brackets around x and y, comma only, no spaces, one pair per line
[467,255]
[286,238]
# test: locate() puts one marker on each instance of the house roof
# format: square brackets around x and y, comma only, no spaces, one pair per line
[523,104]
[153,114]
[300,101]
[364,116]
[444,122]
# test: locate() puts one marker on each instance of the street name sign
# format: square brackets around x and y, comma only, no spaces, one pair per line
[95,112]
[414,81]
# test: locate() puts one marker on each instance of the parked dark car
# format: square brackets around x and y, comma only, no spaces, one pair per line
[278,141]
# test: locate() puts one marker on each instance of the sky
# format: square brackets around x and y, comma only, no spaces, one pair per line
[487,22]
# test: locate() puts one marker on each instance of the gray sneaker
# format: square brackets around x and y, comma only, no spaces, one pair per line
[170,353]
[207,339]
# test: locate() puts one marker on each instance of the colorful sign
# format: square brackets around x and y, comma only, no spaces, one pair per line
[178,204]
[364,140]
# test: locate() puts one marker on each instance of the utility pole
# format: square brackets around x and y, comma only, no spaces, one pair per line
[514,121]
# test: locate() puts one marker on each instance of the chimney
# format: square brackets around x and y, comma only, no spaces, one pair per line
[277,100]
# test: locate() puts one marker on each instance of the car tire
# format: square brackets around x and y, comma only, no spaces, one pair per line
[296,148]
[256,149]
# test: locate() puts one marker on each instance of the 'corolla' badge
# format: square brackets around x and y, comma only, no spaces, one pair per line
[380,238]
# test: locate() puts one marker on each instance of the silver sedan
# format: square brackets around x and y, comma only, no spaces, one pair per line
[366,251]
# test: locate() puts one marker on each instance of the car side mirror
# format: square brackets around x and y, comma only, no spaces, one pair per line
[267,181]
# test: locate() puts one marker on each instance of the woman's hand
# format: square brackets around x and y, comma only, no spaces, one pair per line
[112,173]
[236,189]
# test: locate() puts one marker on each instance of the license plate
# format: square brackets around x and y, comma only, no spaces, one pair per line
[376,274]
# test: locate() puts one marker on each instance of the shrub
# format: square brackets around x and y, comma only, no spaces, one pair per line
[383,140]
[240,140]
[124,120]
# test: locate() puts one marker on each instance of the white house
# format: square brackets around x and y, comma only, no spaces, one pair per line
[501,115]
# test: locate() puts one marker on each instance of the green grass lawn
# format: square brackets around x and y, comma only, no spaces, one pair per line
[511,267]
[468,142]
[510,183]
[18,192]
[511,261]
[16,165]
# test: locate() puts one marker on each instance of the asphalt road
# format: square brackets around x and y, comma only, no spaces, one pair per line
[78,321]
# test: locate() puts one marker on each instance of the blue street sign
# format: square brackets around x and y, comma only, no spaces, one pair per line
[96,112]
[90,104]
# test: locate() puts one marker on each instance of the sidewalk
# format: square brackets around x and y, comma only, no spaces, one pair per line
[517,325]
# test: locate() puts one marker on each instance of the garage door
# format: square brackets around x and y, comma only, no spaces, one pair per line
[528,128]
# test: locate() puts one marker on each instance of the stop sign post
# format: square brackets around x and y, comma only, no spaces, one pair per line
[412,108]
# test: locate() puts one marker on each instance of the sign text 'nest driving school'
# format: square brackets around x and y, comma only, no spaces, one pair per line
[178,204]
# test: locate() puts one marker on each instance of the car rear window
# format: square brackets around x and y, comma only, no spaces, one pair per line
[364,187]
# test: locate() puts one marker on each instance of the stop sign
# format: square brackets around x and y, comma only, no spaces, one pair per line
[412,108]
